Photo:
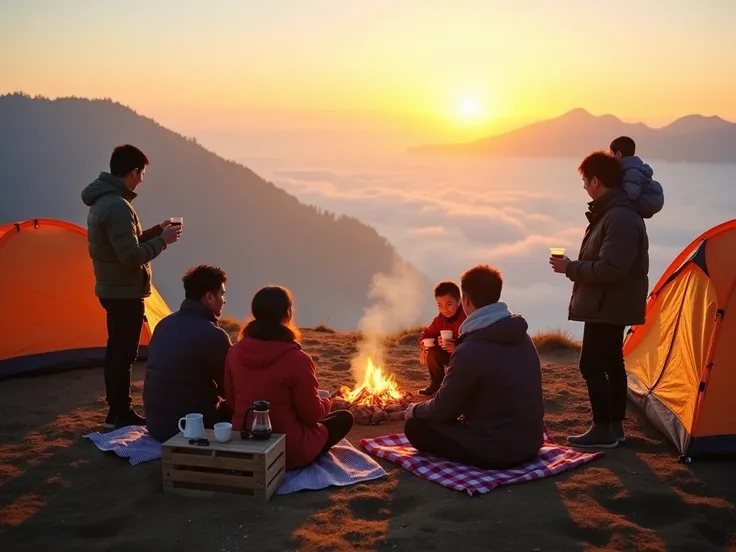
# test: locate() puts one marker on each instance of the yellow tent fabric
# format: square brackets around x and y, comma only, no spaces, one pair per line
[52,319]
[681,363]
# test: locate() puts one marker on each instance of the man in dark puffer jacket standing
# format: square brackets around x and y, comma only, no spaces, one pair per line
[121,252]
[610,283]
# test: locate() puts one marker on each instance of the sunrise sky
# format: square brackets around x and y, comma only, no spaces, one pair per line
[460,69]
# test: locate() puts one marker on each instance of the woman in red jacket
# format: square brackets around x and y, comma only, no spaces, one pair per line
[267,363]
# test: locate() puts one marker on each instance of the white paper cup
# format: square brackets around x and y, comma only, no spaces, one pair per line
[324,393]
[428,342]
[223,431]
[446,335]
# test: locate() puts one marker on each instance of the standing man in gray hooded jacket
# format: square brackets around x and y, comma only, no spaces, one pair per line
[121,252]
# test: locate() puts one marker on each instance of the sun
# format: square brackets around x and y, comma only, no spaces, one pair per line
[470,109]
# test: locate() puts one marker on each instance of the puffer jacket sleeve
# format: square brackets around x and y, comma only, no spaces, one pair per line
[120,227]
[151,233]
[617,254]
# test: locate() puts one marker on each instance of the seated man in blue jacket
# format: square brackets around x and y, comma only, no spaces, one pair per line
[186,358]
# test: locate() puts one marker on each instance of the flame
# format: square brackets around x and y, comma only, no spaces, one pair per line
[377,388]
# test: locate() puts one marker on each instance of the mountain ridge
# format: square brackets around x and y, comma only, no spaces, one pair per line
[690,138]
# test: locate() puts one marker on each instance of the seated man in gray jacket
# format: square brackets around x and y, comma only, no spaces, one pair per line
[186,358]
[489,411]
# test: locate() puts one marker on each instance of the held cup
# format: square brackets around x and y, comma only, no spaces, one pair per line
[428,342]
[446,335]
[557,252]
[177,221]
[324,393]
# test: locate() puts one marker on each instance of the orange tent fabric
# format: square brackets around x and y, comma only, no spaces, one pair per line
[681,363]
[52,318]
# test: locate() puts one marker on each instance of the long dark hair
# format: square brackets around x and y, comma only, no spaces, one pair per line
[272,308]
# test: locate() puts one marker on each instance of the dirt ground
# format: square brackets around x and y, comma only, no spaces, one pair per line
[58,492]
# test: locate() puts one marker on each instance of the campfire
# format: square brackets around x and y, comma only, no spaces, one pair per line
[375,400]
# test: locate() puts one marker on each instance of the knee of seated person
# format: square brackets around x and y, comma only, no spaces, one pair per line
[347,415]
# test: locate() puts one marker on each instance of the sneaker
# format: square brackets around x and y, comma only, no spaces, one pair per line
[430,390]
[129,417]
[109,420]
[618,431]
[598,436]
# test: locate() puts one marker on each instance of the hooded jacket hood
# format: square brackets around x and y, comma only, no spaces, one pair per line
[485,316]
[103,185]
[510,330]
[260,354]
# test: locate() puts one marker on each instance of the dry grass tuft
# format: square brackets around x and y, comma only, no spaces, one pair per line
[324,329]
[555,341]
[231,326]
[407,336]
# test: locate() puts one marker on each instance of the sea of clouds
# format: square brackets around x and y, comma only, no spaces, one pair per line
[448,214]
[445,215]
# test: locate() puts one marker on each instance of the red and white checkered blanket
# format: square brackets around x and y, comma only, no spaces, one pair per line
[553,459]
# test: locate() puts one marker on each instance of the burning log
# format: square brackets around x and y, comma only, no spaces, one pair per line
[374,401]
[371,414]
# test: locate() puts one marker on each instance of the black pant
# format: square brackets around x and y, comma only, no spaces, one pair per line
[602,367]
[124,325]
[437,360]
[424,437]
[339,423]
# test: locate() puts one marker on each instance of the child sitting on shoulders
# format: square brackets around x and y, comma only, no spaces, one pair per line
[436,355]
[637,178]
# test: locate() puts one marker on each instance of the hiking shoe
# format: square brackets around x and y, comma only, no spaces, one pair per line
[129,417]
[598,436]
[618,431]
[430,390]
[109,420]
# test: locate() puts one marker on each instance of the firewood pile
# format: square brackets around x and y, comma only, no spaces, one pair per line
[370,409]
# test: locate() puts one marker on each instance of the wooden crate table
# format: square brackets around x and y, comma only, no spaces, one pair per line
[247,467]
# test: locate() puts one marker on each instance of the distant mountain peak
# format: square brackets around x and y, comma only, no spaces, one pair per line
[578,113]
[698,123]
[699,117]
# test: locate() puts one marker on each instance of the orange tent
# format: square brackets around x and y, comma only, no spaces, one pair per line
[681,363]
[52,319]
